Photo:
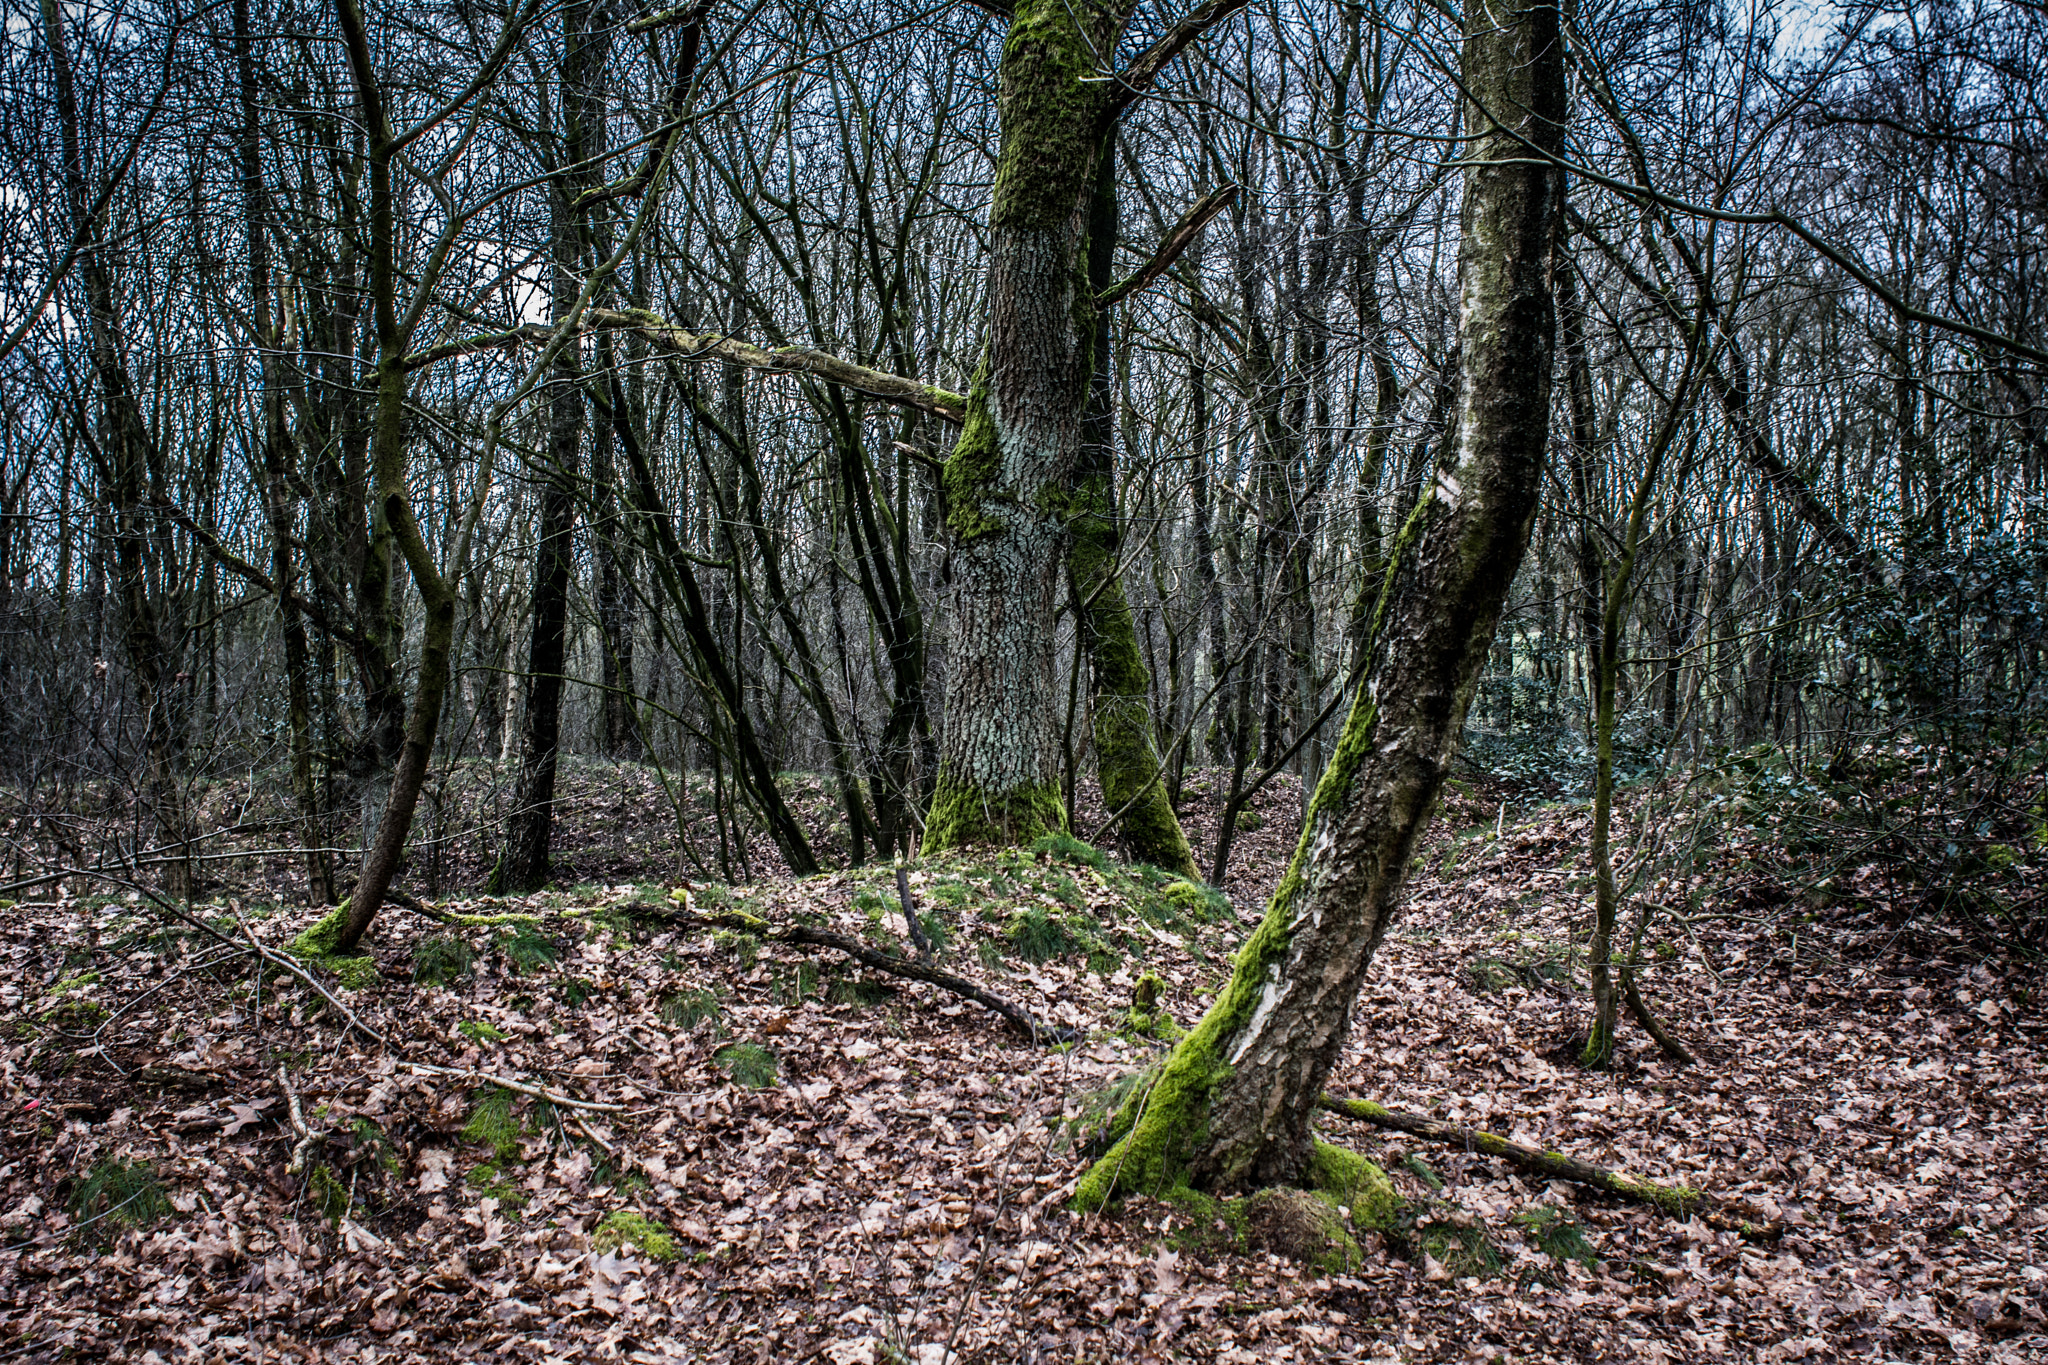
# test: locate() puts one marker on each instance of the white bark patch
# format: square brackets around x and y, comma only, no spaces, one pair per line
[1269,997]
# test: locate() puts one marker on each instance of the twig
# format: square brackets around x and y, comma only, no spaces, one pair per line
[1680,1200]
[295,1115]
[538,1092]
[277,959]
[917,933]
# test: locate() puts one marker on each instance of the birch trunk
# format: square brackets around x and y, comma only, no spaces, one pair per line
[1232,1104]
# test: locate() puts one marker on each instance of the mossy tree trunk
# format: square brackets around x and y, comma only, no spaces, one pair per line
[998,760]
[1232,1105]
[1126,760]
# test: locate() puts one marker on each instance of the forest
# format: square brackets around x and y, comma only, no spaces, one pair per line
[1023,680]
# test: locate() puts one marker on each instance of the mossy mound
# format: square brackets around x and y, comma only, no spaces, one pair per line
[1317,1228]
[1304,1227]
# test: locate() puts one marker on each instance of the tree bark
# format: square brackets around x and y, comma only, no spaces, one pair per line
[524,862]
[1120,687]
[999,752]
[1232,1105]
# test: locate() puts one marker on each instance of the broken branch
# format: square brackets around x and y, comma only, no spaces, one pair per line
[1183,235]
[1678,1200]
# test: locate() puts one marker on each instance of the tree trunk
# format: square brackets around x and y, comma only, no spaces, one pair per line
[125,456]
[998,767]
[1232,1104]
[1126,761]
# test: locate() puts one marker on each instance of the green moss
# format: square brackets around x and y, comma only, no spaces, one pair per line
[478,1031]
[487,921]
[962,817]
[1066,848]
[623,1227]
[490,1182]
[329,1195]
[316,945]
[1306,1227]
[973,472]
[318,939]
[1051,98]
[1553,1230]
[1187,899]
[1354,1182]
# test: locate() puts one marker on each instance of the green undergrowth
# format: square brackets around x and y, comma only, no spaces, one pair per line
[117,1193]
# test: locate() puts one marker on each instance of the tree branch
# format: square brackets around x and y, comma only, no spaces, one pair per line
[1183,235]
[1139,75]
[1674,1199]
[1016,1015]
[680,341]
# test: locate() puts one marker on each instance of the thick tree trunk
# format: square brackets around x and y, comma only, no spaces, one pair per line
[1232,1104]
[998,767]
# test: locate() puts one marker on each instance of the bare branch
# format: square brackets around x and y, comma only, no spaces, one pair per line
[1183,235]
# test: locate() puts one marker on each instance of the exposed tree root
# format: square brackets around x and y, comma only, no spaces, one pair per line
[1016,1015]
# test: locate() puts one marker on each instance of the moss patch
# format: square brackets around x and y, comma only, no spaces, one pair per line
[963,817]
[316,945]
[1304,1227]
[1356,1183]
[623,1227]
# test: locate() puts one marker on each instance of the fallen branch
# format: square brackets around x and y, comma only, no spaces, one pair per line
[1018,1017]
[295,1115]
[1679,1200]
[538,1092]
[284,963]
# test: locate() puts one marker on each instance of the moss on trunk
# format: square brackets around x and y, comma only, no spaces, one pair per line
[962,816]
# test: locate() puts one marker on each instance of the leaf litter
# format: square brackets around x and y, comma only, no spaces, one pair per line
[756,1154]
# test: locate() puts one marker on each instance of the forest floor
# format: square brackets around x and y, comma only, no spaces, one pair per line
[793,1159]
